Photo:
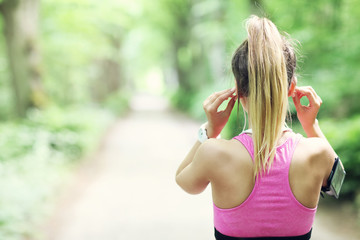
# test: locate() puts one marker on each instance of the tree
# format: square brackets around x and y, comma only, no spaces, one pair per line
[179,34]
[20,31]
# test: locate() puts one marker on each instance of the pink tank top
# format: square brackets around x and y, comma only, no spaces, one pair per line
[271,209]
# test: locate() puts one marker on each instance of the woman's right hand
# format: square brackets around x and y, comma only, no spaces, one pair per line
[307,114]
[217,119]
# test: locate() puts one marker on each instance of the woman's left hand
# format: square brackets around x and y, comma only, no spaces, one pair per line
[218,119]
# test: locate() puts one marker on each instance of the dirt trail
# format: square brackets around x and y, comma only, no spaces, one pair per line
[127,191]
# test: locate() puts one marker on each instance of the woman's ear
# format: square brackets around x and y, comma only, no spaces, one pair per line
[292,86]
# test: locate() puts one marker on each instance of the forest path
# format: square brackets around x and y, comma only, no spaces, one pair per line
[127,191]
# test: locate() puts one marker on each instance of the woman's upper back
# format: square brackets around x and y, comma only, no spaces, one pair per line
[289,192]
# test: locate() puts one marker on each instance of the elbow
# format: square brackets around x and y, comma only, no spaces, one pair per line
[180,182]
[177,179]
[192,189]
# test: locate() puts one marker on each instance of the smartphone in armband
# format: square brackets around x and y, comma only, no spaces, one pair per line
[335,180]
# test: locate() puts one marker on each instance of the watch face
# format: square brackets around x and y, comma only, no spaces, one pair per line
[202,135]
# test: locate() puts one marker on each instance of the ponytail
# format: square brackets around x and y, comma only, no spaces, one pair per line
[265,83]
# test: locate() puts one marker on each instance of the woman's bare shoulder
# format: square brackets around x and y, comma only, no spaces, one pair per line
[223,155]
[315,146]
[221,148]
[315,152]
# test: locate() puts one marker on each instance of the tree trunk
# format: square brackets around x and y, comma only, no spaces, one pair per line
[181,14]
[108,81]
[20,30]
[180,70]
[111,77]
[217,52]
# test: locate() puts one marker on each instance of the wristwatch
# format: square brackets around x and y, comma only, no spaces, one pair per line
[202,134]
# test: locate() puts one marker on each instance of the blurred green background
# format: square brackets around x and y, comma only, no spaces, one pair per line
[68,69]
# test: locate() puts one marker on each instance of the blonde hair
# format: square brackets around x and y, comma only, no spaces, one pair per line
[263,67]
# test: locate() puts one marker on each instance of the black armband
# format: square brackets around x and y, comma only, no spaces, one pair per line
[335,180]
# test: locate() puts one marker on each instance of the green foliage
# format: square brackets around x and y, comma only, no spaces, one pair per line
[78,39]
[183,99]
[81,44]
[118,102]
[328,33]
[35,156]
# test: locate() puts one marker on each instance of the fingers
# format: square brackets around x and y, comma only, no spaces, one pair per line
[309,92]
[230,105]
[213,102]
[215,95]
[296,100]
[221,98]
[298,94]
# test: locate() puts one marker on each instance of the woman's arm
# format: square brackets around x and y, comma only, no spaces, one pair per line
[307,117]
[189,158]
[193,173]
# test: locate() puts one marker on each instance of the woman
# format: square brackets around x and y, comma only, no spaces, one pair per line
[265,182]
